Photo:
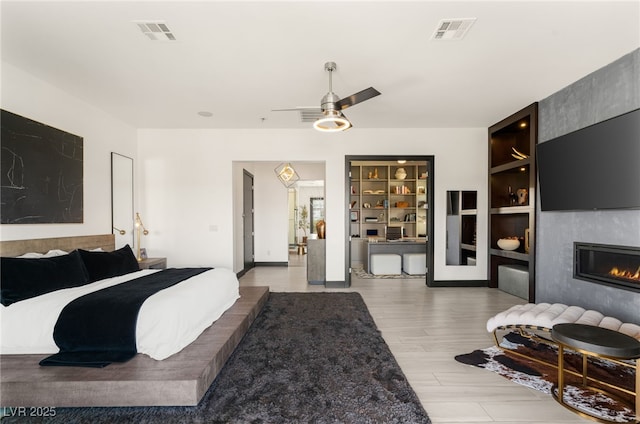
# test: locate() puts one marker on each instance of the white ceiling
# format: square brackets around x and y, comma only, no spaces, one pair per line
[239,60]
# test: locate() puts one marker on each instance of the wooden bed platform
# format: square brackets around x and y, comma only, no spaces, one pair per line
[181,379]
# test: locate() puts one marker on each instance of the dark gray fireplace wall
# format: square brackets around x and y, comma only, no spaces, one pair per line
[607,92]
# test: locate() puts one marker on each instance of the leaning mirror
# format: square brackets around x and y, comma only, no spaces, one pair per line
[316,211]
[122,199]
[461,227]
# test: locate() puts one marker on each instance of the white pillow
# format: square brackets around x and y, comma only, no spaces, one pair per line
[51,253]
[31,255]
[54,252]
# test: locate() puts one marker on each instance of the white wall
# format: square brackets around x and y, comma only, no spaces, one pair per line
[192,179]
[35,99]
[186,181]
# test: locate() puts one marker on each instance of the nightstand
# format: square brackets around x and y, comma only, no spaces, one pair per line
[153,263]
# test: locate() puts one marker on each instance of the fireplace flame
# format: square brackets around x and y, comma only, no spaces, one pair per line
[627,274]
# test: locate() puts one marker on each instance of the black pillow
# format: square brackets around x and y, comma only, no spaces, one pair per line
[23,278]
[102,265]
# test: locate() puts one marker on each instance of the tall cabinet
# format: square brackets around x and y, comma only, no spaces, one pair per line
[512,190]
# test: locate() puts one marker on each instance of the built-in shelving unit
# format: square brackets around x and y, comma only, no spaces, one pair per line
[461,227]
[383,196]
[385,205]
[512,189]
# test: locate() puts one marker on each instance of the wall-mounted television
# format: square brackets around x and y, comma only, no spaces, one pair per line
[596,167]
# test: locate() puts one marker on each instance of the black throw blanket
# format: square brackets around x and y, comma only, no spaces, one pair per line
[100,328]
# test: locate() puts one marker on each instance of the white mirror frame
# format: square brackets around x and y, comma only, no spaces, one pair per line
[122,199]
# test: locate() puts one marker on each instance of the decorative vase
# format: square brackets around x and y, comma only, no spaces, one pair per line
[522,196]
[320,228]
[401,174]
[508,243]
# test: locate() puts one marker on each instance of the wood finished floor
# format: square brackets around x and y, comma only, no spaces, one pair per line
[425,328]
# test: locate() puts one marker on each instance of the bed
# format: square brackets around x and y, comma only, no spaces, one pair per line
[179,355]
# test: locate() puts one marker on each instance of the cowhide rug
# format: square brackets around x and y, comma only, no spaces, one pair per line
[542,377]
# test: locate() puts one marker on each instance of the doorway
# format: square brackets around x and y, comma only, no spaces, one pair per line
[390,204]
[265,239]
[248,220]
[305,209]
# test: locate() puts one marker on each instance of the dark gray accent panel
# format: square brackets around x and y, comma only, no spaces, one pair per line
[606,93]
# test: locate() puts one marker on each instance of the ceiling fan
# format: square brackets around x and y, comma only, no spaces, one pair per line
[331,118]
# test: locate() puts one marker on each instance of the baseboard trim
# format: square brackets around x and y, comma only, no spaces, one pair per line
[272,264]
[336,284]
[460,283]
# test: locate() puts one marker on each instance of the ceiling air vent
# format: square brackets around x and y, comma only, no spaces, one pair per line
[311,114]
[453,29]
[156,30]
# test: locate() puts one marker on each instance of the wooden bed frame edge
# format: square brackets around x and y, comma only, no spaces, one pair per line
[182,379]
[13,248]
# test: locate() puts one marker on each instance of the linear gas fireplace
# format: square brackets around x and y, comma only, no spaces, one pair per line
[617,266]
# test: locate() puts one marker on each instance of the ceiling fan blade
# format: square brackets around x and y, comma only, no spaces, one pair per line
[295,109]
[360,96]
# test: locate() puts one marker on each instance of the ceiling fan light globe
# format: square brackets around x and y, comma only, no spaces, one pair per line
[332,123]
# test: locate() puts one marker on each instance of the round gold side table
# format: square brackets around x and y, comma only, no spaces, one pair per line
[599,342]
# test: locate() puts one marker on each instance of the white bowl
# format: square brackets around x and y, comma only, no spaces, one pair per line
[508,244]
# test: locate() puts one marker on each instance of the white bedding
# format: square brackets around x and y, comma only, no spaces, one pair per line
[168,321]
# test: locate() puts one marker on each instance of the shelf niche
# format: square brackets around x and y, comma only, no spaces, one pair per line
[461,227]
[512,187]
[381,200]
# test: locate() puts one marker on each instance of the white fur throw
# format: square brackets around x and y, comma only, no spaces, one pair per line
[546,315]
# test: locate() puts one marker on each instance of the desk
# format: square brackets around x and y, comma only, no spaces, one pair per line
[398,247]
[598,342]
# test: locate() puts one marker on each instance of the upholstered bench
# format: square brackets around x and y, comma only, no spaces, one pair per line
[414,263]
[540,318]
[385,263]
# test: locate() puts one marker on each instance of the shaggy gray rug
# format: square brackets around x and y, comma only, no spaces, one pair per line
[307,358]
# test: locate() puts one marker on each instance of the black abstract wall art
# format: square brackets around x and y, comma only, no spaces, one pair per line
[41,173]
